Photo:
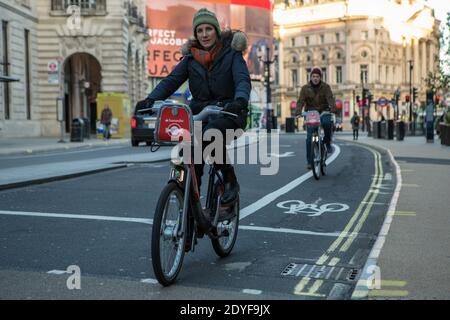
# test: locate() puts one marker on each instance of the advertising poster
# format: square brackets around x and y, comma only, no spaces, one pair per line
[170,25]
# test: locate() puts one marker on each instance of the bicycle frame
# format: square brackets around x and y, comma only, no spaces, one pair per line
[184,175]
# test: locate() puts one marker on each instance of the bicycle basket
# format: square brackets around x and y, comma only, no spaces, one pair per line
[312,118]
[174,123]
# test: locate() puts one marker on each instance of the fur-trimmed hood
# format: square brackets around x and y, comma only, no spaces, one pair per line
[237,40]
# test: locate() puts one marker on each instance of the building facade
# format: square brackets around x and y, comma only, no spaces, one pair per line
[382,46]
[19,101]
[78,49]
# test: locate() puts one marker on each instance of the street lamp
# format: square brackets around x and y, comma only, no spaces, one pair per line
[411,67]
[267,62]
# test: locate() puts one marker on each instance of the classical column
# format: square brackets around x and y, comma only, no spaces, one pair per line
[416,70]
[424,60]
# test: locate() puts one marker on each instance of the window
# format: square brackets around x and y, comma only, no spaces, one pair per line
[292,42]
[364,54]
[307,41]
[364,73]
[365,35]
[324,57]
[308,74]
[5,63]
[294,59]
[339,74]
[338,37]
[338,55]
[85,5]
[308,58]
[324,74]
[294,77]
[322,39]
[27,74]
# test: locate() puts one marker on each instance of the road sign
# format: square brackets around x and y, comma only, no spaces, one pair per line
[52,66]
[383,102]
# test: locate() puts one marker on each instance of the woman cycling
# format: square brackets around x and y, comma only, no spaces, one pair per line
[218,75]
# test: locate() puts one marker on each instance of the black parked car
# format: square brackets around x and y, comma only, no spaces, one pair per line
[143,126]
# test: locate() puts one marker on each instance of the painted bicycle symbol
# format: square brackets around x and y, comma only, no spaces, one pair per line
[312,210]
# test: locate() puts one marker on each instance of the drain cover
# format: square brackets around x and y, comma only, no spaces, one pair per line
[315,271]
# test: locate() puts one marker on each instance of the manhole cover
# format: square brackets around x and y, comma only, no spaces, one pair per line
[322,272]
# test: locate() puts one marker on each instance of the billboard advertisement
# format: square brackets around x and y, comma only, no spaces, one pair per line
[170,25]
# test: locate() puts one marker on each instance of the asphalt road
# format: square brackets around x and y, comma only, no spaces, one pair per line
[285,250]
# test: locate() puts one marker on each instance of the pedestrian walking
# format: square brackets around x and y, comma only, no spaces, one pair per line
[355,125]
[105,120]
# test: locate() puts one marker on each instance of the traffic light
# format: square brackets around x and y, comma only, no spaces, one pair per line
[415,91]
[437,100]
[365,97]
[407,98]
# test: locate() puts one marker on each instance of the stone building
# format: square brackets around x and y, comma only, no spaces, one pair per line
[79,48]
[358,44]
[19,104]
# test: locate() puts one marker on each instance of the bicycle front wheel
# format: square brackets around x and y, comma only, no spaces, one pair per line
[315,159]
[168,236]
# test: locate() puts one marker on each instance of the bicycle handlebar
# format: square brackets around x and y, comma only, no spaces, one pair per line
[144,110]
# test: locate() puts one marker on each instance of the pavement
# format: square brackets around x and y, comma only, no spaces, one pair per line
[409,260]
[411,256]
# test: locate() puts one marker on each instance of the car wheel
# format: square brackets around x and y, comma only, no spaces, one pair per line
[134,143]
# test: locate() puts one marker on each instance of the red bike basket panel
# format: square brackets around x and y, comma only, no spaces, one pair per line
[312,118]
[174,124]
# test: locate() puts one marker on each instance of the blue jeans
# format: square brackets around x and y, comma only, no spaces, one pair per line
[327,124]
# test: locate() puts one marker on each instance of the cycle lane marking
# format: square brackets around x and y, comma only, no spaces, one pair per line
[367,202]
[271,197]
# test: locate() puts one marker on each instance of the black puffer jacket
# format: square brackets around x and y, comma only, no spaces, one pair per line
[227,80]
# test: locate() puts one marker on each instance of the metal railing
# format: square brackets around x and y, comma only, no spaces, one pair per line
[86,6]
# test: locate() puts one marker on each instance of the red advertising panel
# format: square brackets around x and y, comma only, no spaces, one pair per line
[170,25]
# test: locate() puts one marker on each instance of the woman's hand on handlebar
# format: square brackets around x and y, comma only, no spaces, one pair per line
[236,106]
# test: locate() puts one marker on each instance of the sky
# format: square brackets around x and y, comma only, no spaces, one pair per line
[441,8]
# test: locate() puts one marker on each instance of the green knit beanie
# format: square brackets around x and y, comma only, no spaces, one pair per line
[205,16]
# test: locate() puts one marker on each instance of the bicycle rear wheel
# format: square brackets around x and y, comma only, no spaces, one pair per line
[228,229]
[168,238]
[315,159]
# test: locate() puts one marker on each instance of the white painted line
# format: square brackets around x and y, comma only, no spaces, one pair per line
[310,271]
[150,281]
[329,273]
[252,291]
[75,216]
[264,201]
[57,272]
[293,231]
[150,221]
[339,274]
[300,271]
[362,290]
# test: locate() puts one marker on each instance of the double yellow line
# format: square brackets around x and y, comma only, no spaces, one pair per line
[359,217]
